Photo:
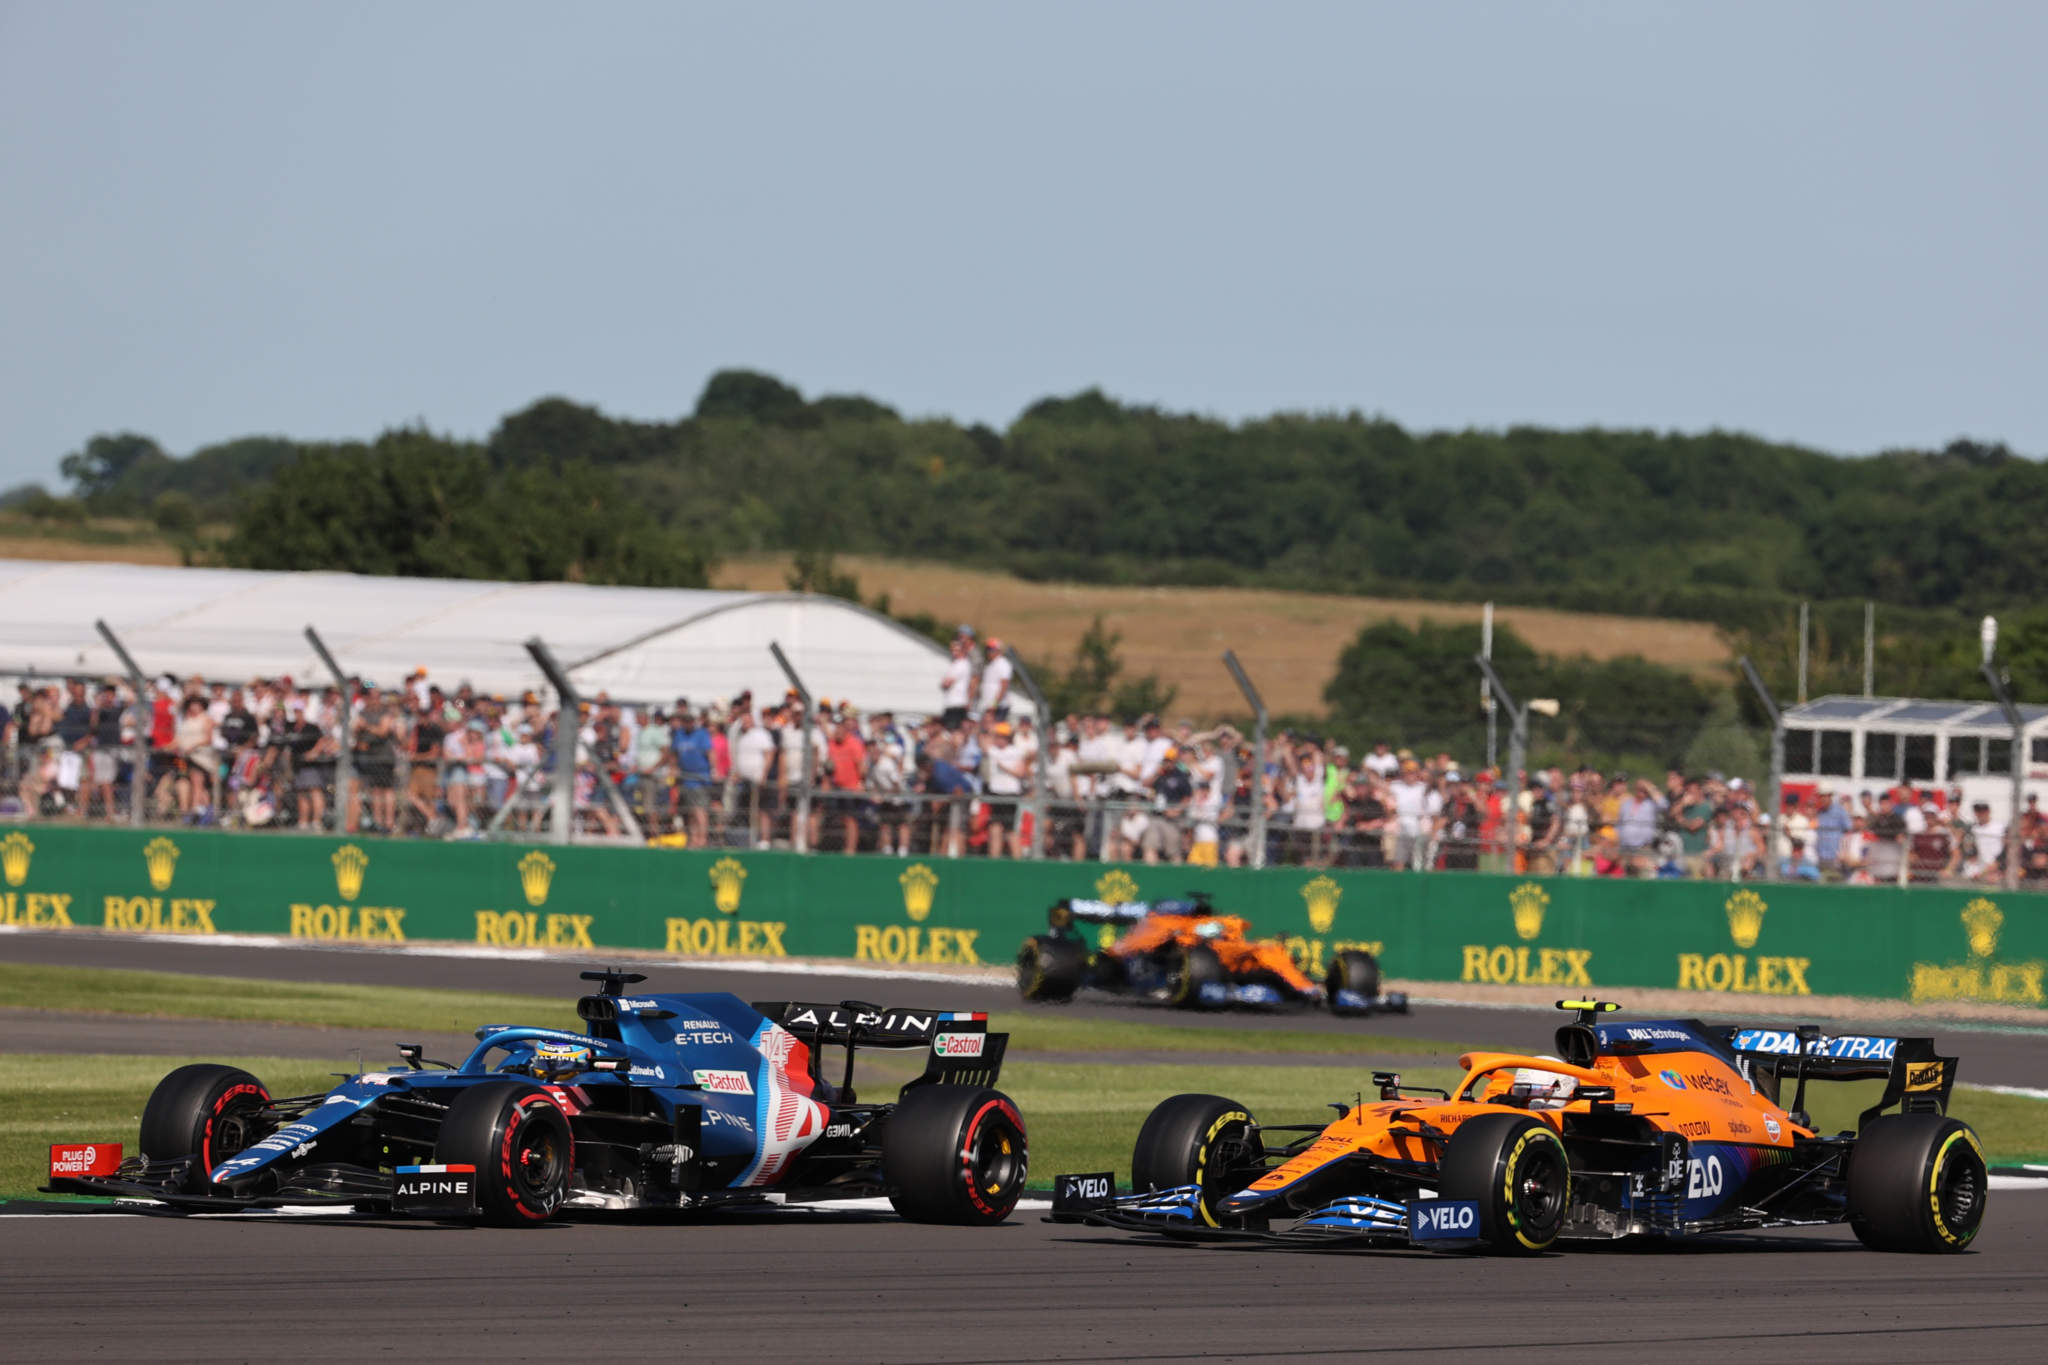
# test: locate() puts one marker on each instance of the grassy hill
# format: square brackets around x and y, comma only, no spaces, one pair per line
[1289,641]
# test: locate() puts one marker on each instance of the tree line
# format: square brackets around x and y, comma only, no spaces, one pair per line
[1716,526]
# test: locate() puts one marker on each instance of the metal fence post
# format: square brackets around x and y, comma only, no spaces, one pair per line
[800,832]
[138,762]
[1997,679]
[344,761]
[568,718]
[1518,747]
[1777,811]
[1256,836]
[1034,804]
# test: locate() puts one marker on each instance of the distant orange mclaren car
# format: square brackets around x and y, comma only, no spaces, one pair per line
[1184,953]
[1667,1128]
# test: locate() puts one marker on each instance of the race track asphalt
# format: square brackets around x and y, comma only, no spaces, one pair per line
[810,1286]
[2011,1056]
[803,1286]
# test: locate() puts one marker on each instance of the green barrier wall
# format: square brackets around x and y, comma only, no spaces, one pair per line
[1771,940]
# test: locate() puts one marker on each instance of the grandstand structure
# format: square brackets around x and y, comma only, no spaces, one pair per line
[649,645]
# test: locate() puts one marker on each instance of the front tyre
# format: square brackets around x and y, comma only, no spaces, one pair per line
[205,1112]
[1917,1182]
[518,1139]
[1514,1167]
[1357,973]
[1203,1140]
[954,1154]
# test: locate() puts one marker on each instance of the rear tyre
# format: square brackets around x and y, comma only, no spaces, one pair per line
[206,1112]
[1050,969]
[1203,1140]
[1356,972]
[1197,966]
[518,1139]
[1514,1167]
[1917,1182]
[955,1154]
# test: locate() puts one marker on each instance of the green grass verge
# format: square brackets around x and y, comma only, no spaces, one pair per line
[170,995]
[1082,1116]
[99,1099]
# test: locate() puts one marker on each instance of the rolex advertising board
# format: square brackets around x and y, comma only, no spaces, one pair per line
[1736,940]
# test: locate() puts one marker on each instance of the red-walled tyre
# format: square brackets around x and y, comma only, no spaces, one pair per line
[954,1154]
[518,1139]
[206,1112]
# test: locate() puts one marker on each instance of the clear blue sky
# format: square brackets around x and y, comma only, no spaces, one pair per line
[1816,222]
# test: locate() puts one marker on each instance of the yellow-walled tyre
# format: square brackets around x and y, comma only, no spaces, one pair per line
[1201,1140]
[1917,1182]
[1515,1169]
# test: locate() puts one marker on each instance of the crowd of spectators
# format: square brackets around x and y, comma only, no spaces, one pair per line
[266,753]
[959,781]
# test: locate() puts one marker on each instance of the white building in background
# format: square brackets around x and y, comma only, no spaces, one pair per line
[1871,743]
[639,644]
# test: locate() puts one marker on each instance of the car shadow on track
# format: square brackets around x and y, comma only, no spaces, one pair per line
[1715,1245]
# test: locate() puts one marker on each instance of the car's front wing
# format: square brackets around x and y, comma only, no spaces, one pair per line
[1361,1220]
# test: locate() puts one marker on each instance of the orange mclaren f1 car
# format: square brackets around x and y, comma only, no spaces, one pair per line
[1668,1128]
[1183,953]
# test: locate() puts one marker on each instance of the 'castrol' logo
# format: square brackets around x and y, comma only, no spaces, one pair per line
[724,1082]
[959,1044]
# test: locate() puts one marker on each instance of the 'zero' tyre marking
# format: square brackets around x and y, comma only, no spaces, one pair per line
[1510,1168]
[967,1173]
[220,1105]
[1934,1173]
[1202,1159]
[512,1122]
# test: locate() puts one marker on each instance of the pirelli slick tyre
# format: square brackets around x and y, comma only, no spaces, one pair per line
[1917,1182]
[519,1140]
[1050,969]
[1356,972]
[1195,966]
[955,1154]
[1514,1167]
[205,1112]
[1203,1140]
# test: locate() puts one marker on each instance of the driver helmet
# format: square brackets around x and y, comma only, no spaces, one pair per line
[1209,928]
[554,1061]
[1547,1089]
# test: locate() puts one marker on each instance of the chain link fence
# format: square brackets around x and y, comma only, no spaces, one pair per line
[269,755]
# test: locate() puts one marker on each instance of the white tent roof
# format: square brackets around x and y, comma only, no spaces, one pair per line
[642,644]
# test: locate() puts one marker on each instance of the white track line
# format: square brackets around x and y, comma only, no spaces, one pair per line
[2028,1091]
[767,966]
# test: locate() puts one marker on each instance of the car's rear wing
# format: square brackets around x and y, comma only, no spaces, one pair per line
[960,1049]
[1916,1078]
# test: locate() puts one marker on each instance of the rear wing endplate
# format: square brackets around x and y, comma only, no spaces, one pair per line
[1916,1079]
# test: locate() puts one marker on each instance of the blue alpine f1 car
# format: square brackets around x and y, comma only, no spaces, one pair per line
[666,1101]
